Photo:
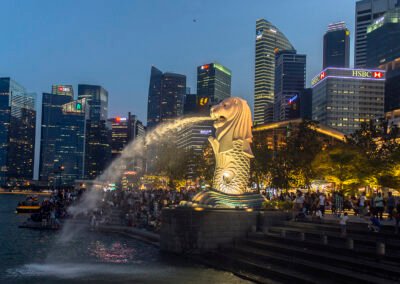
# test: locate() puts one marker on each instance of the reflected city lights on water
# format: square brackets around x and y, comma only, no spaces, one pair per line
[115,253]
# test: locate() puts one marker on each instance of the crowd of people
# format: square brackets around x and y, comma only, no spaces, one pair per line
[54,208]
[373,208]
[138,208]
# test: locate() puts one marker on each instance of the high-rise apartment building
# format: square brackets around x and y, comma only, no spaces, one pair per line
[62,149]
[269,40]
[343,98]
[290,78]
[367,11]
[97,144]
[166,96]
[383,39]
[336,46]
[17,133]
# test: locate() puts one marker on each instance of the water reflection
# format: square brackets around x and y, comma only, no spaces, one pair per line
[114,253]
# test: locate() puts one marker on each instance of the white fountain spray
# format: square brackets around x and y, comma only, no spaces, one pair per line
[135,150]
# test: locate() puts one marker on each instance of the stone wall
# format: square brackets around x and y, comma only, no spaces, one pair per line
[196,230]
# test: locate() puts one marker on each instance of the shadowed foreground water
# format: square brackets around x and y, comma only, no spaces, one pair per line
[29,256]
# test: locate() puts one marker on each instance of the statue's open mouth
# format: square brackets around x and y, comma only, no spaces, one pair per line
[221,118]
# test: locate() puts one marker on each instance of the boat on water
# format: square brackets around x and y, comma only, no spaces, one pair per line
[30,205]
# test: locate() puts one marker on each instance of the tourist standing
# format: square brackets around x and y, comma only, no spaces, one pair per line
[391,202]
[343,224]
[397,217]
[361,203]
[322,203]
[379,206]
[298,203]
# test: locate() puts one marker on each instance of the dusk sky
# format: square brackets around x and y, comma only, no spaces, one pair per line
[114,43]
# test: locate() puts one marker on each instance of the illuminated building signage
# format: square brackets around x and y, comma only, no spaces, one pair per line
[347,73]
[205,67]
[63,89]
[206,132]
[203,101]
[78,106]
[293,99]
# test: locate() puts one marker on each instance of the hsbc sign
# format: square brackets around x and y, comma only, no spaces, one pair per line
[343,73]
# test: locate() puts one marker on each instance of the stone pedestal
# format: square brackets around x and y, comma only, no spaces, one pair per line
[197,230]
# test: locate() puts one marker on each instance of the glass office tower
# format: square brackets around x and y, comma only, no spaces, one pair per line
[336,46]
[269,40]
[213,82]
[62,139]
[166,97]
[343,98]
[290,78]
[367,11]
[17,133]
[97,144]
[383,39]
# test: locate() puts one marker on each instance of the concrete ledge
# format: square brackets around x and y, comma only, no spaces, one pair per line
[198,230]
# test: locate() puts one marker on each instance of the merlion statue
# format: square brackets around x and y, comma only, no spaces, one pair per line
[232,152]
[232,145]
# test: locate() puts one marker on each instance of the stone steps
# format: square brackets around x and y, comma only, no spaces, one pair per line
[311,253]
[387,232]
[240,264]
[336,259]
[298,268]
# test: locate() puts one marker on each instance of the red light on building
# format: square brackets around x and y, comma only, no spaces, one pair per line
[118,119]
[205,67]
[60,88]
[322,75]
[378,74]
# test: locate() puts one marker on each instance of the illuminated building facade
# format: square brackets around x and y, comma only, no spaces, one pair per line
[97,144]
[213,82]
[383,39]
[343,98]
[62,139]
[290,79]
[336,46]
[166,97]
[367,11]
[17,133]
[274,135]
[269,40]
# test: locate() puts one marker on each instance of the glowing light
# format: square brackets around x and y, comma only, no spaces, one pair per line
[203,101]
[205,67]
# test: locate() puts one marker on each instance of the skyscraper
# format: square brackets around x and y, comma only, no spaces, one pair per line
[336,46]
[124,130]
[17,133]
[97,146]
[383,39]
[269,39]
[343,98]
[392,86]
[166,96]
[290,78]
[62,139]
[366,12]
[213,82]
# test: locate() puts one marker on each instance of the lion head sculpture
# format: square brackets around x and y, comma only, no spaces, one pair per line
[233,122]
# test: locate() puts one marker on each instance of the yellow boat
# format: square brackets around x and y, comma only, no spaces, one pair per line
[28,208]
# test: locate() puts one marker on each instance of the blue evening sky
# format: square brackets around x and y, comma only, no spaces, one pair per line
[114,43]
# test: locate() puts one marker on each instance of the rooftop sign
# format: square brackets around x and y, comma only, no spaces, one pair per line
[348,73]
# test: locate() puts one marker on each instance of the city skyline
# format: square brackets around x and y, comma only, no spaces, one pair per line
[125,72]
